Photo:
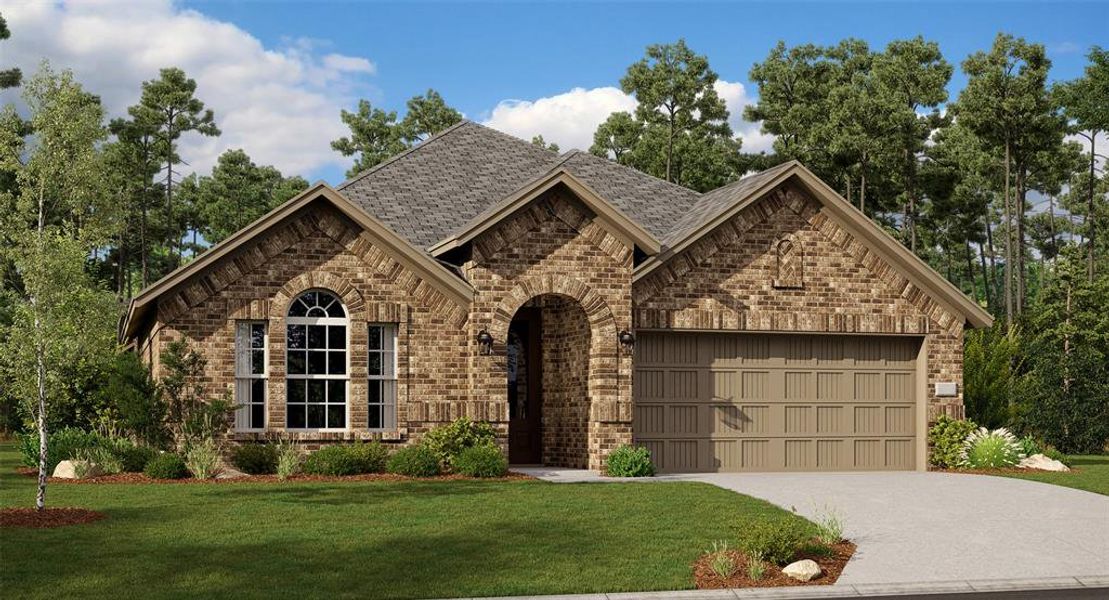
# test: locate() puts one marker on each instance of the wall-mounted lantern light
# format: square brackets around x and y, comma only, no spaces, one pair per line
[485,341]
[627,340]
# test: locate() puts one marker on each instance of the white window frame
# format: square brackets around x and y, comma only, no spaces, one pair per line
[245,377]
[386,381]
[301,377]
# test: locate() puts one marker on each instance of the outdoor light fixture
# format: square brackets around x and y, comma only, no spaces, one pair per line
[627,340]
[485,341]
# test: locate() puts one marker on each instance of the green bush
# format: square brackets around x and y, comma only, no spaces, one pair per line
[103,457]
[371,456]
[134,458]
[776,541]
[630,461]
[255,459]
[946,439]
[1029,446]
[447,441]
[290,458]
[414,461]
[486,460]
[347,459]
[63,444]
[985,449]
[166,466]
[136,400]
[1054,454]
[203,459]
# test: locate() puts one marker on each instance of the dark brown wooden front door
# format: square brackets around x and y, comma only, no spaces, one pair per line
[525,388]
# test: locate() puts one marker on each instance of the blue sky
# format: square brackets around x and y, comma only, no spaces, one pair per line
[511,65]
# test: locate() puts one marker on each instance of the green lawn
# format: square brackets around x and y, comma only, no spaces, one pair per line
[1091,473]
[365,539]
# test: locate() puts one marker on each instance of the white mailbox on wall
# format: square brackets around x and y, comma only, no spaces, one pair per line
[947,389]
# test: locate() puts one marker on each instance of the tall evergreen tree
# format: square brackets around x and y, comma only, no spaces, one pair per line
[9,78]
[426,116]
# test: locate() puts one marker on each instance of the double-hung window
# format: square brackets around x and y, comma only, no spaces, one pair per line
[251,373]
[382,374]
[316,363]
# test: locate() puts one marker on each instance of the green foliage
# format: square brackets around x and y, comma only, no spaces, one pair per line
[483,460]
[63,444]
[991,367]
[756,566]
[1029,446]
[776,541]
[1054,454]
[132,393]
[829,527]
[414,461]
[203,459]
[629,461]
[946,439]
[134,458]
[447,441]
[986,449]
[290,459]
[721,561]
[347,459]
[103,457]
[255,459]
[166,466]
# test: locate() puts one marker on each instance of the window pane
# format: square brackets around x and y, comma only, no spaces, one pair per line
[316,311]
[337,363]
[296,391]
[336,391]
[258,362]
[257,390]
[257,416]
[317,336]
[374,364]
[336,337]
[336,416]
[316,390]
[336,310]
[257,335]
[374,340]
[298,309]
[317,360]
[295,362]
[375,392]
[310,299]
[375,421]
[316,416]
[295,414]
[295,334]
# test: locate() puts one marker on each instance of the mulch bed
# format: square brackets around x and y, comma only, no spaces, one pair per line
[139,478]
[705,578]
[51,517]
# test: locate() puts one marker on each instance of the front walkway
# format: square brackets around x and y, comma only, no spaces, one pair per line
[933,527]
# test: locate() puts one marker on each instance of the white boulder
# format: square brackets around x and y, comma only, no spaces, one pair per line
[77,469]
[1042,463]
[802,570]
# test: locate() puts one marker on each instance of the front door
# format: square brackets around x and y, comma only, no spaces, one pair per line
[525,389]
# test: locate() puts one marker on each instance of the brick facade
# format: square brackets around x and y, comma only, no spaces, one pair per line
[557,255]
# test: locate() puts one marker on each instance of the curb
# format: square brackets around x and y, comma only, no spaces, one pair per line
[861,590]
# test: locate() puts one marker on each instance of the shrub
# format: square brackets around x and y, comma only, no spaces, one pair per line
[776,541]
[289,459]
[347,459]
[166,466]
[486,460]
[447,441]
[756,566]
[1029,446]
[946,438]
[63,444]
[414,461]
[203,459]
[630,461]
[721,561]
[103,457]
[1054,454]
[371,456]
[138,405]
[985,449]
[134,458]
[255,459]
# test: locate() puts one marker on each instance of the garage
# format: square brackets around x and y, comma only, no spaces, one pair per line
[731,402]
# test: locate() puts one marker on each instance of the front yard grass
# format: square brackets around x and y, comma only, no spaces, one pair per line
[1091,473]
[366,539]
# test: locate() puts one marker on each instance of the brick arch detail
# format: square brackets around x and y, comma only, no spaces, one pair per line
[349,295]
[602,323]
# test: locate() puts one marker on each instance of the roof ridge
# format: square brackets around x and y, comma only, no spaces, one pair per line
[749,175]
[592,156]
[392,159]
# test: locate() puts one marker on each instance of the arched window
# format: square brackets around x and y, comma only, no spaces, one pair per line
[317,363]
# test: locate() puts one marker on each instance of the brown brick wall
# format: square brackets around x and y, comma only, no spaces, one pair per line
[565,383]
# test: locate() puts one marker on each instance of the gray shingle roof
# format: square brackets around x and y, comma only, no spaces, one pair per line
[429,192]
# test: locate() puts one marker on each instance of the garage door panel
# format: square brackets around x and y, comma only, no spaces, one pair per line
[756,402]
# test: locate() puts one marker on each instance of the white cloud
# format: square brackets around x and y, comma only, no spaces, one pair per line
[569,119]
[281,104]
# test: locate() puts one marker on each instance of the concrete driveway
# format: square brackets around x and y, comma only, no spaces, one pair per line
[921,527]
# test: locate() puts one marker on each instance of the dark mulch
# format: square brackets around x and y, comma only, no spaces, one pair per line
[134,478]
[50,517]
[705,578]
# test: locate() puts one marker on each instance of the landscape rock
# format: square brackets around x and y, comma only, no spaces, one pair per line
[1042,463]
[67,469]
[802,570]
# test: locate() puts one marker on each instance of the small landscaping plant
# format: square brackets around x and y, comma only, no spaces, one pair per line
[134,458]
[485,460]
[985,449]
[290,458]
[448,441]
[371,456]
[1029,446]
[946,439]
[414,461]
[347,459]
[166,466]
[203,459]
[756,566]
[63,444]
[630,461]
[1054,454]
[255,459]
[776,541]
[722,562]
[829,527]
[101,456]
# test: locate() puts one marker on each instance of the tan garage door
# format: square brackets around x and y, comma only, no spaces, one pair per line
[776,402]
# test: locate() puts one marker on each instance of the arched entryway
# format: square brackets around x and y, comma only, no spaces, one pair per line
[547,379]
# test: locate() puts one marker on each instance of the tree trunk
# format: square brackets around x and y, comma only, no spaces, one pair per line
[670,148]
[970,270]
[40,362]
[1022,269]
[1051,225]
[1090,234]
[142,243]
[862,191]
[993,261]
[1008,287]
[985,277]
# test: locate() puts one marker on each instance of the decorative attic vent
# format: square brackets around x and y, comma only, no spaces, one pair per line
[788,268]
